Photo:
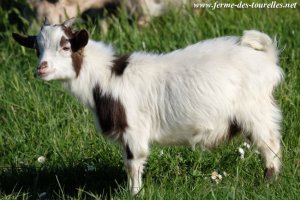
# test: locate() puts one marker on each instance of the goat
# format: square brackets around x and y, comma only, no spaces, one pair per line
[58,10]
[200,95]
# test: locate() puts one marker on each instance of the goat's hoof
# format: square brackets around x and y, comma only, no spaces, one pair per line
[137,191]
[270,174]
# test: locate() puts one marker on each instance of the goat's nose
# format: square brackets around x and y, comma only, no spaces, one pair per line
[44,64]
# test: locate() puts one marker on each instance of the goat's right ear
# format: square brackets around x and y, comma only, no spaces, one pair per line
[79,40]
[26,41]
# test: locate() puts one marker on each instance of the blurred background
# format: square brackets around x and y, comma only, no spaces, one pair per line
[24,12]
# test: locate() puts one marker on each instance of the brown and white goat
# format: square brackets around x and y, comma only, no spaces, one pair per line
[199,95]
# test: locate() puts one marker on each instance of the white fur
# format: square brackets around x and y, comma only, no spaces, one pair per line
[188,96]
[62,9]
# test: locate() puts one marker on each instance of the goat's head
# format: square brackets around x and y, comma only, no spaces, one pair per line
[59,49]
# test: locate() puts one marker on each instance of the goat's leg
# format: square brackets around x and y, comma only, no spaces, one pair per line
[135,171]
[134,161]
[268,144]
[266,136]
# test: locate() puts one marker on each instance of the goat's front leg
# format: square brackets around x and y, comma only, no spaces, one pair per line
[134,158]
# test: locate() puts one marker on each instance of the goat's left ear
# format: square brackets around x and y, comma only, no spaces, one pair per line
[79,40]
[69,22]
[26,41]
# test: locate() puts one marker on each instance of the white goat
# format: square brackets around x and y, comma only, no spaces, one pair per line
[58,10]
[199,95]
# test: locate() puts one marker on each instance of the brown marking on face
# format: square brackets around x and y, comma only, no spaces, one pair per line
[77,58]
[129,154]
[63,41]
[120,64]
[78,41]
[111,113]
[68,31]
[234,129]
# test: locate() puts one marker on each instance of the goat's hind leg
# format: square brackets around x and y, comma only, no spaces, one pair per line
[266,136]
[270,149]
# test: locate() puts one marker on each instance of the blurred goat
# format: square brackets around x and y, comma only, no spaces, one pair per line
[58,10]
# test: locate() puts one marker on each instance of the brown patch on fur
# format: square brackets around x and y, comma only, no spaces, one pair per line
[128,153]
[63,41]
[77,58]
[78,41]
[120,64]
[234,129]
[68,31]
[110,112]
[269,173]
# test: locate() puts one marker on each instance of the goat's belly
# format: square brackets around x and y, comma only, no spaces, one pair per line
[174,139]
[205,138]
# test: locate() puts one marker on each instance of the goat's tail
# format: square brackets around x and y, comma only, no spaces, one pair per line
[261,42]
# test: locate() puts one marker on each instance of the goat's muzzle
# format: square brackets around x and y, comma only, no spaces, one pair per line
[42,69]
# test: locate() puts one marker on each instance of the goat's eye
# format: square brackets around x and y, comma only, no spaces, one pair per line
[66,48]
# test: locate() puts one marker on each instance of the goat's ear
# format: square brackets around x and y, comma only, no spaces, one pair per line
[26,41]
[79,40]
[69,22]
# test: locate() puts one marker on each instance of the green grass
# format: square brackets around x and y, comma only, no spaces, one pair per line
[40,119]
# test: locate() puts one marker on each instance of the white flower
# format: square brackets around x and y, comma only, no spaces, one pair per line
[242,153]
[161,153]
[41,159]
[241,150]
[246,145]
[216,176]
[225,174]
[220,176]
[90,168]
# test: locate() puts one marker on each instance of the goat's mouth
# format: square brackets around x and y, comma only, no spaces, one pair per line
[43,72]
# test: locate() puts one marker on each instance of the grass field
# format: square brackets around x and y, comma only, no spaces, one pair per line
[40,119]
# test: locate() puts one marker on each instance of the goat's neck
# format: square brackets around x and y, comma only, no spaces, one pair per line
[95,69]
